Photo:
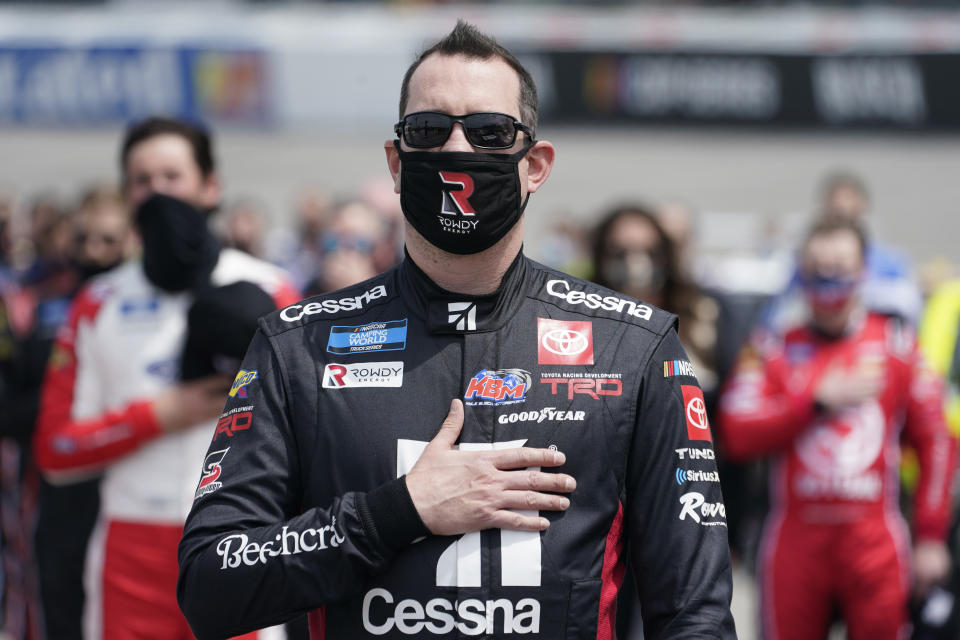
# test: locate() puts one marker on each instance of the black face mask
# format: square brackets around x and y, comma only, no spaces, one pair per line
[462,202]
[179,252]
[88,270]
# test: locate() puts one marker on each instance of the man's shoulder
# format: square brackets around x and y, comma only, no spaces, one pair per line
[583,297]
[349,302]
[233,265]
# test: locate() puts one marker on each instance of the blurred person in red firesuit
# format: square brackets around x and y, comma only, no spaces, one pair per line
[829,401]
[116,400]
[889,286]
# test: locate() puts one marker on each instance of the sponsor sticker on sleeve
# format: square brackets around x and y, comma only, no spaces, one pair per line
[678,368]
[211,473]
[695,412]
[243,379]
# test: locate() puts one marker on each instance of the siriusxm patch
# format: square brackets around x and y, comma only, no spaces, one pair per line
[388,335]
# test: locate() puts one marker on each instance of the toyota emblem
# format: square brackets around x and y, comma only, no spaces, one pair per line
[565,342]
[697,413]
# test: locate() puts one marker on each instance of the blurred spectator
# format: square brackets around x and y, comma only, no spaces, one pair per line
[6,241]
[103,237]
[113,397]
[676,219]
[938,618]
[348,246]
[66,249]
[50,238]
[827,401]
[33,309]
[301,258]
[102,232]
[565,247]
[888,288]
[378,194]
[634,255]
[243,227]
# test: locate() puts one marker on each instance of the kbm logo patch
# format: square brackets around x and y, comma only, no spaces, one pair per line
[211,473]
[695,409]
[498,386]
[390,335]
[243,379]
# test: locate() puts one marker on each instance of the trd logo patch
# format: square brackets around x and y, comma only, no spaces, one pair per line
[239,419]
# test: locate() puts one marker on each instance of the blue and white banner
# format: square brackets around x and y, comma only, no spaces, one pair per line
[116,84]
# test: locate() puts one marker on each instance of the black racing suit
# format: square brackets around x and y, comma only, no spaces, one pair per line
[302,505]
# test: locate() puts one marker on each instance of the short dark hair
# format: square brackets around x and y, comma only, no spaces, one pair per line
[468,41]
[197,136]
[828,224]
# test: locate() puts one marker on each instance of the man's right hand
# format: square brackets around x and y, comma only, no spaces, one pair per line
[188,403]
[841,387]
[459,491]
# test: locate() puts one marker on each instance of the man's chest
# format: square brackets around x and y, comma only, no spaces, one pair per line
[540,382]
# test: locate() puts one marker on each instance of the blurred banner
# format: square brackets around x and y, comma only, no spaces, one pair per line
[99,85]
[303,65]
[900,91]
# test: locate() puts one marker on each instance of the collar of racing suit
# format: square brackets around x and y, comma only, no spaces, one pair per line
[446,312]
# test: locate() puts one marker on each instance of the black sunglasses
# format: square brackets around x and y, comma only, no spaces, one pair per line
[427,129]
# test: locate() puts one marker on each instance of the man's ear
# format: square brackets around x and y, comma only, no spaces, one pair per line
[393,163]
[539,163]
[211,191]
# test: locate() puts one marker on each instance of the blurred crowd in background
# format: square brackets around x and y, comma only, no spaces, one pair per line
[292,69]
[50,246]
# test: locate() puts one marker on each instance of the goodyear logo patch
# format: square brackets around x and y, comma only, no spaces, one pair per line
[242,380]
[388,335]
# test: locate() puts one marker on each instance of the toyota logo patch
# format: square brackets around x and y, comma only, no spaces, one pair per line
[564,342]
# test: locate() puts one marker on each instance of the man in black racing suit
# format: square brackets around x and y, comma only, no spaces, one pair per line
[577,440]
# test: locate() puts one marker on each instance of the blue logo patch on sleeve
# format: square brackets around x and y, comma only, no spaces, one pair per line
[387,335]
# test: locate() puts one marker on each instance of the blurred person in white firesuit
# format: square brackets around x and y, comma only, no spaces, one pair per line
[116,399]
